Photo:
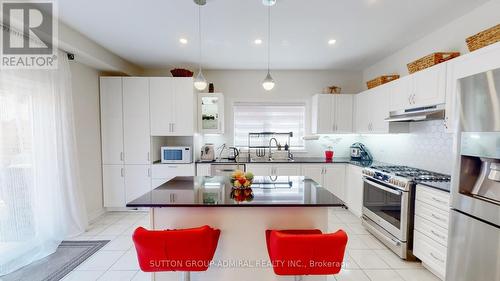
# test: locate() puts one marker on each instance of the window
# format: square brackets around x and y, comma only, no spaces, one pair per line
[266,117]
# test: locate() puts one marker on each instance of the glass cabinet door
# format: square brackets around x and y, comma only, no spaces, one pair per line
[211,113]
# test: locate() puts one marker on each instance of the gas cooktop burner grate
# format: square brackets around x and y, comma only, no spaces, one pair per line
[413,173]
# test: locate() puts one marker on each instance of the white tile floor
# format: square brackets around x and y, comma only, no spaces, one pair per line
[366,258]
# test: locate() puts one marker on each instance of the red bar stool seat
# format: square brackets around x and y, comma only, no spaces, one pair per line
[176,250]
[306,252]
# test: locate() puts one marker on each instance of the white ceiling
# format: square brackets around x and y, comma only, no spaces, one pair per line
[147,32]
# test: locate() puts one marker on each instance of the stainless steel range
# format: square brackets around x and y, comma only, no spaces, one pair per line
[388,204]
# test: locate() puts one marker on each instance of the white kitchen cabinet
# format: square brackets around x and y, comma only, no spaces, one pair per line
[431,228]
[137,138]
[111,120]
[363,115]
[274,169]
[423,88]
[259,169]
[334,180]
[203,169]
[314,172]
[286,169]
[113,183]
[211,113]
[137,181]
[171,106]
[162,173]
[372,108]
[354,189]
[330,176]
[399,93]
[332,114]
[429,86]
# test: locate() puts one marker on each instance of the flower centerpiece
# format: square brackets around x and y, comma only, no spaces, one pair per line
[242,186]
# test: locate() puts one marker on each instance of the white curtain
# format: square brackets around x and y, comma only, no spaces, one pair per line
[40,201]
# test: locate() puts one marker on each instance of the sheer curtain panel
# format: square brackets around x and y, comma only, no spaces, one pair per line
[40,201]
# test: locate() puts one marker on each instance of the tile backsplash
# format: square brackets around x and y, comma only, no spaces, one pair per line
[427,146]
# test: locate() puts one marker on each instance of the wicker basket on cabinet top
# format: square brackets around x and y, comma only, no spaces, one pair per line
[381,80]
[431,60]
[484,38]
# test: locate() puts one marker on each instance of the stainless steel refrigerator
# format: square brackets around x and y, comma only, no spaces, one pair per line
[474,234]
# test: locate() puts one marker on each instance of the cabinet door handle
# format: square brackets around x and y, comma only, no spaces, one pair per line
[437,234]
[149,172]
[438,218]
[438,200]
[173,197]
[121,156]
[436,258]
[173,127]
[121,172]
[148,156]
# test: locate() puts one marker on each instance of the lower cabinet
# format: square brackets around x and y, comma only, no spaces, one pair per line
[203,170]
[113,182]
[431,228]
[354,189]
[137,181]
[274,169]
[161,173]
[330,176]
[124,183]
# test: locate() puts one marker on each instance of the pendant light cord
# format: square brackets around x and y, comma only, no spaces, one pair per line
[199,36]
[268,37]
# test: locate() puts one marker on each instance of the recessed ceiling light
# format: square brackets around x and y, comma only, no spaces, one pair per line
[332,42]
[183,41]
[258,41]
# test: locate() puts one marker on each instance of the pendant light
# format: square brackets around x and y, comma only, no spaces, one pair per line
[200,83]
[268,83]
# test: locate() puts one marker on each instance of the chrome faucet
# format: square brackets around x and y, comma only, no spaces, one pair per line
[270,152]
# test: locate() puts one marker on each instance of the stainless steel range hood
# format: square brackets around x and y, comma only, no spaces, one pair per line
[434,112]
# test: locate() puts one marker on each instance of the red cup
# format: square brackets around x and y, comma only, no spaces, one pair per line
[329,154]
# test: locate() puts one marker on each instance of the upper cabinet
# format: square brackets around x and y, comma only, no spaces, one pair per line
[332,114]
[171,106]
[423,88]
[372,108]
[211,113]
[111,120]
[136,141]
[125,120]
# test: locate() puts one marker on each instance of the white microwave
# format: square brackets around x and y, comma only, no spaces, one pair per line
[176,154]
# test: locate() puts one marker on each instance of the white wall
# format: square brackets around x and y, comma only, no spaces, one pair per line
[450,37]
[85,82]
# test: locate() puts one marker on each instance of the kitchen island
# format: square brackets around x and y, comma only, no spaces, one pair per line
[243,218]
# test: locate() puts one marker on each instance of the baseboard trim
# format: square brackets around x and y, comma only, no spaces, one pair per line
[94,215]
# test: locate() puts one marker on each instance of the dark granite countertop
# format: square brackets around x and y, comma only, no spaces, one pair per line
[218,192]
[443,186]
[299,160]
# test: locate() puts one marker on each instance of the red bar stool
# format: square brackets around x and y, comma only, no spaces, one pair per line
[306,252]
[176,250]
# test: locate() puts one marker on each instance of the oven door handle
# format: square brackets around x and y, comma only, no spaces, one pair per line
[377,185]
